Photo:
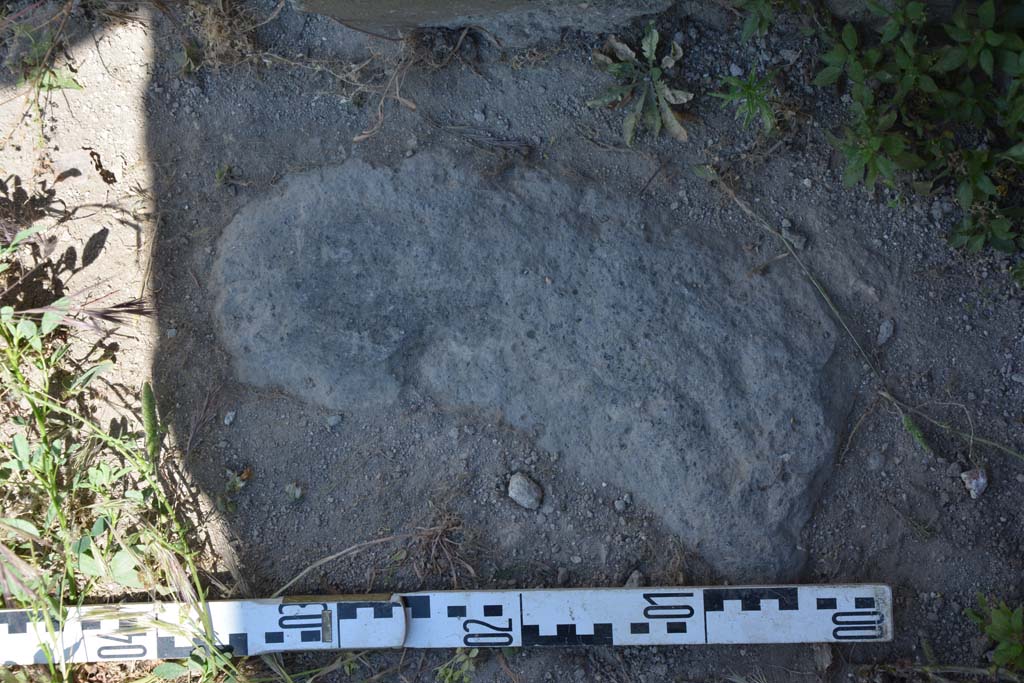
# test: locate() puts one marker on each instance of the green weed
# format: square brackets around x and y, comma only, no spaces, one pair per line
[1005,626]
[947,103]
[760,17]
[84,515]
[458,669]
[643,86]
[36,63]
[751,97]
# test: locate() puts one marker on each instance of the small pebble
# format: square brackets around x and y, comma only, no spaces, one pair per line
[172,332]
[576,559]
[798,241]
[975,481]
[229,417]
[1017,377]
[735,70]
[620,506]
[333,421]
[885,332]
[525,492]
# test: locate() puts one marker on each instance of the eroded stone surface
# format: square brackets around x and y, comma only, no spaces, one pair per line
[657,364]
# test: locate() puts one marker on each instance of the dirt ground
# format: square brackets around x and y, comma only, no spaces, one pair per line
[252,355]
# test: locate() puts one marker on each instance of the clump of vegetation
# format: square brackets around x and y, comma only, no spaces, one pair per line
[84,514]
[458,669]
[1005,626]
[945,102]
[752,98]
[760,16]
[642,86]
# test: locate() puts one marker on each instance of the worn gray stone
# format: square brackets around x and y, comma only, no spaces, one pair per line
[659,367]
[885,332]
[525,491]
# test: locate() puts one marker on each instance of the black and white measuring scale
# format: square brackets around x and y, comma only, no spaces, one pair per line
[452,619]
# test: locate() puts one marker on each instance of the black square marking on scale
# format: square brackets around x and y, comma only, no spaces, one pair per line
[419,606]
[347,610]
[457,611]
[91,625]
[827,603]
[492,610]
[676,627]
[238,643]
[273,637]
[864,603]
[639,629]
[17,622]
[310,636]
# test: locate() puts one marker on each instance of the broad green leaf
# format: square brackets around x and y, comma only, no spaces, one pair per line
[7,314]
[850,37]
[828,76]
[21,525]
[951,58]
[58,80]
[622,70]
[99,527]
[123,569]
[965,194]
[1015,153]
[872,175]
[856,72]
[885,167]
[650,43]
[987,14]
[986,62]
[26,329]
[51,319]
[890,31]
[652,117]
[632,120]
[986,185]
[927,84]
[836,56]
[21,449]
[994,39]
[88,376]
[169,671]
[88,565]
[672,124]
[854,172]
[750,27]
